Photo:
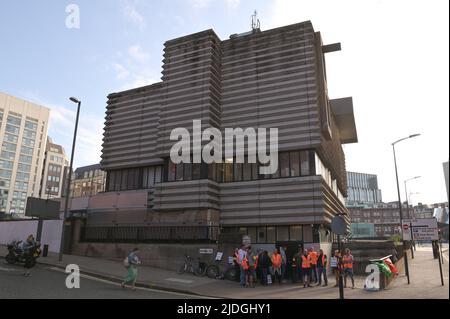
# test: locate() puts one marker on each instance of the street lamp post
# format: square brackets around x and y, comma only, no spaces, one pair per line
[407,212]
[400,201]
[69,178]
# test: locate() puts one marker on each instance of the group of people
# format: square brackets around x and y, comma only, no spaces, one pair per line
[308,266]
[343,265]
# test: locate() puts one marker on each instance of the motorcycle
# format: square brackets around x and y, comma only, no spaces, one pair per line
[17,255]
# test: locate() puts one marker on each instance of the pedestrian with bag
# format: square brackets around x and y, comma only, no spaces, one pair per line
[131,262]
[334,264]
[242,254]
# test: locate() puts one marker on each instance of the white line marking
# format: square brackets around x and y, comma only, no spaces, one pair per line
[8,269]
[137,288]
[183,281]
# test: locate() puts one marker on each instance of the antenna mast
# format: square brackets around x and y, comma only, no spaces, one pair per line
[256,25]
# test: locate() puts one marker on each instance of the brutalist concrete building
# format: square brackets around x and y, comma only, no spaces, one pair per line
[271,79]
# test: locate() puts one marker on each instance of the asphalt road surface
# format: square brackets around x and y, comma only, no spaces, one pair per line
[49,283]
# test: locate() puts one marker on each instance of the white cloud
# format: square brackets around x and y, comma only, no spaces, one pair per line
[138,54]
[122,72]
[199,4]
[141,77]
[133,15]
[233,4]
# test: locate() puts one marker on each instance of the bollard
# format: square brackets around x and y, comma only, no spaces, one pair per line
[45,251]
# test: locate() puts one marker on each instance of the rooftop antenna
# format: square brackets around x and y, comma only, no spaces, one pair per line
[256,25]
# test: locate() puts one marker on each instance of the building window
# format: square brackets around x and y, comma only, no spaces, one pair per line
[271,234]
[307,234]
[284,164]
[282,233]
[133,179]
[295,164]
[171,172]
[228,171]
[237,174]
[179,172]
[261,235]
[295,233]
[247,171]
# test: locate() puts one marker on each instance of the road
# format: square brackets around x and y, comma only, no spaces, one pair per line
[49,283]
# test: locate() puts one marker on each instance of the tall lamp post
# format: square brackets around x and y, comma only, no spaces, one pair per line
[69,178]
[400,200]
[407,212]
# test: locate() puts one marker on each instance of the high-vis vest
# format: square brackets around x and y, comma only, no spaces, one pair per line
[276,260]
[255,260]
[245,264]
[314,257]
[306,261]
[347,261]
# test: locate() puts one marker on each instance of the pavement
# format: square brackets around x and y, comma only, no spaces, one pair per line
[424,270]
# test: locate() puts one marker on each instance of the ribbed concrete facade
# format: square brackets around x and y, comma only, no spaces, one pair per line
[271,79]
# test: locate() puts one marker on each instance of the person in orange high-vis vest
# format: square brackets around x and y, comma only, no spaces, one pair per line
[276,265]
[306,268]
[314,257]
[347,261]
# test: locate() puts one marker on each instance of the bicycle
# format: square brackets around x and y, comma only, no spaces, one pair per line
[189,267]
[214,271]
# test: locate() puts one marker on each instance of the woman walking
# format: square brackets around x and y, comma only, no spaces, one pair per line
[131,263]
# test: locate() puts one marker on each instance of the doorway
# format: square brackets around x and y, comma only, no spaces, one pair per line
[292,247]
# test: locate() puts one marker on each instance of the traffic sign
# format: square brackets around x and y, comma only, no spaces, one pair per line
[424,229]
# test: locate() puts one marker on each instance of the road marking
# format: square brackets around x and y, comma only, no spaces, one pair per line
[183,281]
[8,269]
[445,257]
[137,288]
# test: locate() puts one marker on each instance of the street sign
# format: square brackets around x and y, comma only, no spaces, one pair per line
[206,251]
[424,229]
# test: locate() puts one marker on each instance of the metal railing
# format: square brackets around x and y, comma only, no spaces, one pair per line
[149,234]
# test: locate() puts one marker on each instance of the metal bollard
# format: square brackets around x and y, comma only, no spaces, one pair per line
[45,251]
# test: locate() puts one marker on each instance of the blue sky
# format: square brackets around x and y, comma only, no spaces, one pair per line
[394,63]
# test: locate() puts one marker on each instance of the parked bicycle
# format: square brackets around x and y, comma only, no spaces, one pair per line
[220,270]
[192,267]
